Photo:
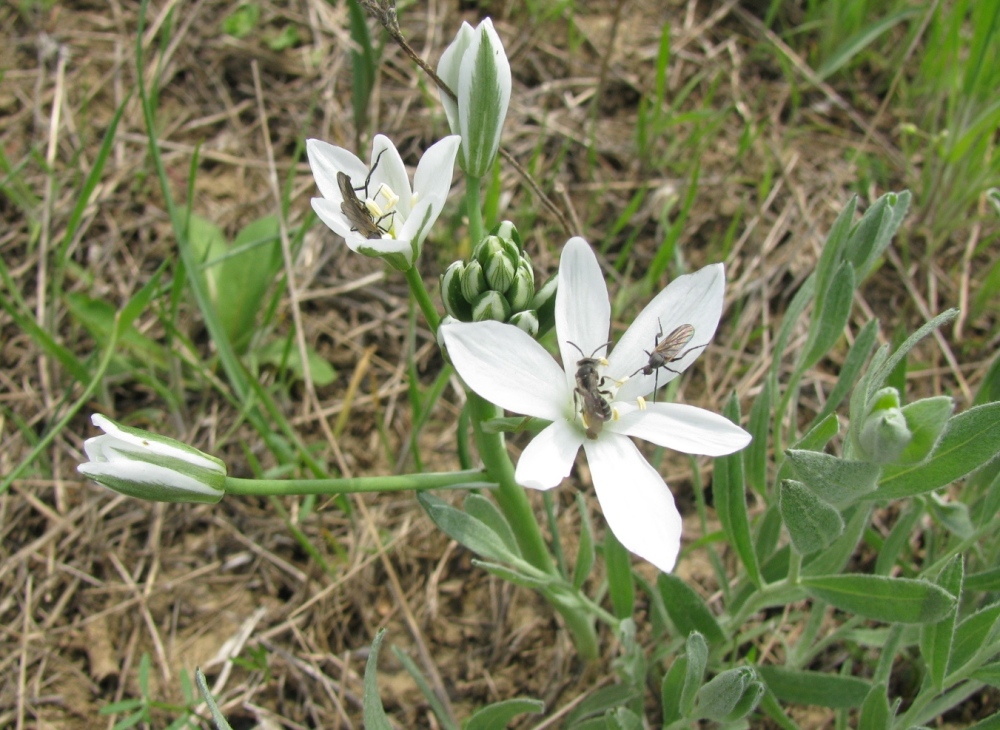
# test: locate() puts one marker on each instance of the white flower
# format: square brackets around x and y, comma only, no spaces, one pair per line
[507,367]
[475,67]
[141,464]
[401,218]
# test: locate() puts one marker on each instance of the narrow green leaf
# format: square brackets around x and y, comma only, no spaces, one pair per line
[893,600]
[834,480]
[972,635]
[467,530]
[987,580]
[671,689]
[217,717]
[621,587]
[585,552]
[860,41]
[989,673]
[882,372]
[602,700]
[687,610]
[729,489]
[856,358]
[828,327]
[489,514]
[719,698]
[875,714]
[868,242]
[498,715]
[970,439]
[795,309]
[833,251]
[437,707]
[375,717]
[936,638]
[812,523]
[803,687]
[696,652]
[755,454]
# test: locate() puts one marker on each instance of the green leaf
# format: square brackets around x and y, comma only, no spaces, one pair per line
[832,255]
[875,714]
[828,326]
[585,552]
[875,230]
[990,723]
[893,600]
[498,715]
[671,689]
[834,480]
[602,700]
[217,717]
[936,638]
[241,22]
[245,273]
[989,673]
[879,374]
[467,530]
[972,635]
[755,455]
[860,41]
[489,514]
[987,580]
[834,558]
[722,696]
[277,353]
[812,523]
[687,610]
[954,516]
[926,419]
[856,358]
[375,717]
[729,489]
[696,653]
[437,707]
[364,64]
[970,439]
[621,587]
[898,538]
[803,687]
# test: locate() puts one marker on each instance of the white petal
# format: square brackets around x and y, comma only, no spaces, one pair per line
[484,87]
[421,218]
[125,439]
[437,168]
[390,170]
[636,502]
[549,457]
[449,68]
[583,312]
[139,473]
[325,160]
[505,366]
[683,428]
[694,299]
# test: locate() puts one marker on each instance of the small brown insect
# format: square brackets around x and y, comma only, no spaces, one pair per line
[595,408]
[666,351]
[355,210]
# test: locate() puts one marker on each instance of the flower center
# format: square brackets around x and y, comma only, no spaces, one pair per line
[384,213]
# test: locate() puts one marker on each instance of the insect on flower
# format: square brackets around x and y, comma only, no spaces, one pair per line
[595,408]
[356,210]
[666,351]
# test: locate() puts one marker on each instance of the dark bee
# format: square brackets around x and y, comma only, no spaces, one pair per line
[355,210]
[595,407]
[666,351]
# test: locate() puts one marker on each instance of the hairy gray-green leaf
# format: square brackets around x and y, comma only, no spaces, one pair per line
[812,523]
[969,440]
[499,715]
[717,699]
[374,713]
[834,480]
[936,638]
[814,688]
[687,610]
[893,600]
[875,714]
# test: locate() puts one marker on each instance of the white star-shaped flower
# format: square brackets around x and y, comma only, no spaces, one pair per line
[400,218]
[507,367]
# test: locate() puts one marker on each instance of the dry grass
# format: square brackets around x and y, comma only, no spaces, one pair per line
[90,581]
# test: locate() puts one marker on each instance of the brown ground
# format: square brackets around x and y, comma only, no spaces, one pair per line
[89,581]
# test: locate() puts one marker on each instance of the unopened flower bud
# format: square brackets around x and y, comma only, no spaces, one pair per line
[455,303]
[160,469]
[490,305]
[526,320]
[884,435]
[473,281]
[522,290]
[499,258]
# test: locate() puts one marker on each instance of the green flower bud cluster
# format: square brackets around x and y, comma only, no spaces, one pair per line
[497,283]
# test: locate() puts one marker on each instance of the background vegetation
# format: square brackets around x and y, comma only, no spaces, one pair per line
[670,135]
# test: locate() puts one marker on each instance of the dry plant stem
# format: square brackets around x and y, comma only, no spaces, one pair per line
[385,13]
[516,508]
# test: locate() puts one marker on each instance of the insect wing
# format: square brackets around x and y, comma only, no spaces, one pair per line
[669,347]
[356,211]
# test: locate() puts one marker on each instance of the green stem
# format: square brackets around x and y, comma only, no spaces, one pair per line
[472,209]
[517,509]
[470,479]
[423,299]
